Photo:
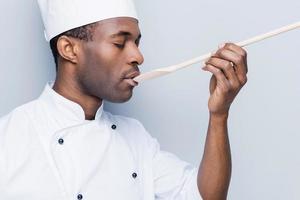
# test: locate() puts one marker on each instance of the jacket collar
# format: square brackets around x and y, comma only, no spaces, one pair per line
[65,110]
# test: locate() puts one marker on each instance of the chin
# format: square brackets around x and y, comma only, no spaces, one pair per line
[121,99]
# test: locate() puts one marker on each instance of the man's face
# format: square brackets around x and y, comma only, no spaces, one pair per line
[108,63]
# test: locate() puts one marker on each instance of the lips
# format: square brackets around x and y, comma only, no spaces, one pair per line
[132,75]
[131,82]
[129,78]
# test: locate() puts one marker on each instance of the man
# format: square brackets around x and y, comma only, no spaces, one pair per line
[64,146]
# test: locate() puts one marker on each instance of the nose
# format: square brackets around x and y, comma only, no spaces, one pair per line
[136,57]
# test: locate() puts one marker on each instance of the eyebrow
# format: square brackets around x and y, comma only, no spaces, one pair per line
[124,34]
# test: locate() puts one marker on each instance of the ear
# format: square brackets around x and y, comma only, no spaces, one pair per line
[68,48]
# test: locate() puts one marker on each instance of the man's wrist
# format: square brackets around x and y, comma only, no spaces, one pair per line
[219,117]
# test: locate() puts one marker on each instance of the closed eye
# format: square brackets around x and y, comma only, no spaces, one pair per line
[120,46]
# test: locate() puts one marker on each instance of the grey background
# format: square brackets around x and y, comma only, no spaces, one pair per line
[264,120]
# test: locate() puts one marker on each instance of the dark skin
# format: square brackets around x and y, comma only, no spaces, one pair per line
[102,69]
[229,68]
[90,71]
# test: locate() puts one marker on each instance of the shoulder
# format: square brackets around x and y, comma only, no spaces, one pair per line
[19,115]
[15,125]
[16,134]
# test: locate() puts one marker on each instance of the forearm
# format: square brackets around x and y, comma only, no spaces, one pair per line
[215,168]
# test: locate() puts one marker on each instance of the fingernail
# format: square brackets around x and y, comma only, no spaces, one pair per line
[222,45]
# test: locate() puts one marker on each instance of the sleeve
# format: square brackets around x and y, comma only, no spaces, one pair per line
[173,178]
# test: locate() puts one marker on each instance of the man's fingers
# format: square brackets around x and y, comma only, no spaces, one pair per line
[239,50]
[240,63]
[226,67]
[220,77]
[235,48]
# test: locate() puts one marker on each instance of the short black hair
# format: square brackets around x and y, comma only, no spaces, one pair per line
[84,33]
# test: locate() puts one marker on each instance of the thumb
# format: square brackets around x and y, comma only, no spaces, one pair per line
[213,84]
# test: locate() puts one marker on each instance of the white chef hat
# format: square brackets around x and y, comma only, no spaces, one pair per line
[63,15]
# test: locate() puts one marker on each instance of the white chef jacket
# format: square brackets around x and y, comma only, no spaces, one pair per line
[48,151]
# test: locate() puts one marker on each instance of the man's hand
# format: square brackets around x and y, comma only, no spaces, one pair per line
[229,68]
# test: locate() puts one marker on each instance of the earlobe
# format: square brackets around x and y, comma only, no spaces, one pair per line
[67,48]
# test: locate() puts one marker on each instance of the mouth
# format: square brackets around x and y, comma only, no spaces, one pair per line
[129,78]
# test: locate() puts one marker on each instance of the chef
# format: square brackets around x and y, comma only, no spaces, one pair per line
[64,146]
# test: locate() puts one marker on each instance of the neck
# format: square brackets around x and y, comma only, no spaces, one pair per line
[71,90]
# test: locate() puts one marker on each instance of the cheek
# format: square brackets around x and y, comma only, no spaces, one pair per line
[109,59]
[96,61]
[102,65]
